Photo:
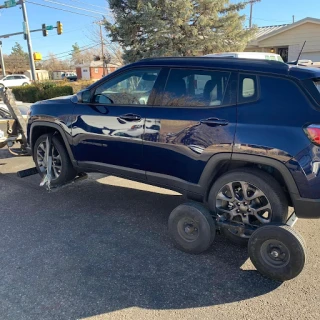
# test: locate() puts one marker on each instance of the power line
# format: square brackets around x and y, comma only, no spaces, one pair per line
[67,55]
[88,4]
[43,5]
[61,53]
[69,6]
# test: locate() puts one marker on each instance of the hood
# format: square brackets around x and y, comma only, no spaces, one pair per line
[56,100]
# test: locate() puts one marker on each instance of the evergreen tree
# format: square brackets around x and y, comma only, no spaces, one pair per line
[76,54]
[18,52]
[147,28]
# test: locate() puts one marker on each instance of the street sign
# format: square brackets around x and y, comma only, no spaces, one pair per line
[24,26]
[37,56]
[10,3]
[49,27]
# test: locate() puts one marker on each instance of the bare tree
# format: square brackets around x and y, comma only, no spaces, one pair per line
[112,48]
[52,63]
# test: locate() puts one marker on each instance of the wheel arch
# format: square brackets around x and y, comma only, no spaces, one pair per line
[221,163]
[41,127]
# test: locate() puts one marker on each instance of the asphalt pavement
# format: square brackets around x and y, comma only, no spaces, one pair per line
[99,249]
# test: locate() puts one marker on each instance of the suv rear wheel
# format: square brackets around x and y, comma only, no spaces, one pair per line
[62,169]
[248,196]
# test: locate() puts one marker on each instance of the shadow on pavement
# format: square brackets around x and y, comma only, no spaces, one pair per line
[93,248]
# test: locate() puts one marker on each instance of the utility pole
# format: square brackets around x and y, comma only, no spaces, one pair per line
[27,31]
[2,61]
[102,50]
[251,6]
[293,19]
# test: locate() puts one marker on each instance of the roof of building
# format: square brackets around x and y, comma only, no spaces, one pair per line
[269,31]
[263,31]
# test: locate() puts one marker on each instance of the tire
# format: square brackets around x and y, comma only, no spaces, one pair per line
[191,228]
[273,197]
[25,84]
[277,252]
[67,172]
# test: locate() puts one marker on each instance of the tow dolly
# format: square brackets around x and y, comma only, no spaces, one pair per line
[276,250]
[13,123]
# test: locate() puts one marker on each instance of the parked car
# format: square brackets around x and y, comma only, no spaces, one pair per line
[248,55]
[14,80]
[240,136]
[71,76]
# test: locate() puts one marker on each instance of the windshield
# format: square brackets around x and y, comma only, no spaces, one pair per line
[317,84]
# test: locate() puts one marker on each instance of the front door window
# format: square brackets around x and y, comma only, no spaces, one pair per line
[130,88]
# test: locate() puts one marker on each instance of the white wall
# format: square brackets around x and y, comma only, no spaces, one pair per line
[314,56]
[85,72]
[309,32]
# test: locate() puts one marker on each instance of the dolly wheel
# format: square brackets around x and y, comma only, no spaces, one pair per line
[192,227]
[278,252]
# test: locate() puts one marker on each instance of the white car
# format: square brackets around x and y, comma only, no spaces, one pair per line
[14,80]
[247,55]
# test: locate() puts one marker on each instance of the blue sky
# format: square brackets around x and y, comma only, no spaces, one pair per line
[77,28]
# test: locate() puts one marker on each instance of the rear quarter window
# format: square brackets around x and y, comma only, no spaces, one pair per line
[317,84]
[313,87]
[248,88]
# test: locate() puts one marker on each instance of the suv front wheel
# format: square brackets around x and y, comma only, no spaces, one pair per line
[248,196]
[62,169]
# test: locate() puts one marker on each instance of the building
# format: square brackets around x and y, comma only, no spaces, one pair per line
[40,74]
[94,70]
[287,40]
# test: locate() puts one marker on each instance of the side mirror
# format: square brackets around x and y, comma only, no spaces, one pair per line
[84,96]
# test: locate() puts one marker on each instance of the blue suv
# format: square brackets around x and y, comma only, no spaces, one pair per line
[240,136]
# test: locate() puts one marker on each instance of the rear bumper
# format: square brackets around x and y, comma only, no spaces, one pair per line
[307,208]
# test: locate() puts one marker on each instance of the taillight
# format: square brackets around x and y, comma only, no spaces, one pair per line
[313,133]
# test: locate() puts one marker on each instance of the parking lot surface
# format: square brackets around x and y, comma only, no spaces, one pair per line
[99,249]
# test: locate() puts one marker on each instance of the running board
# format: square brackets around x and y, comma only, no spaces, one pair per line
[33,171]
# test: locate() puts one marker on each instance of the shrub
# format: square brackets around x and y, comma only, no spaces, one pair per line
[27,93]
[54,92]
[37,92]
[46,84]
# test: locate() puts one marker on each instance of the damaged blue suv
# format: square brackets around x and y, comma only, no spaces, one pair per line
[240,136]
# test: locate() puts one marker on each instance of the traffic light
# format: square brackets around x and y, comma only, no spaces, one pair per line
[44,30]
[59,27]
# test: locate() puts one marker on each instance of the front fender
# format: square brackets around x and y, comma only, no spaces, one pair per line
[60,128]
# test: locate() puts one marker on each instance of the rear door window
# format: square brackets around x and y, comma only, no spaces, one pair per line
[195,88]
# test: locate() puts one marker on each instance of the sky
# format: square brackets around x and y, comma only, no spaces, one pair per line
[79,28]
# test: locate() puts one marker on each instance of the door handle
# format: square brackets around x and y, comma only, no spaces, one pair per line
[130,117]
[214,122]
